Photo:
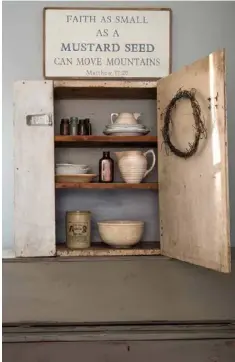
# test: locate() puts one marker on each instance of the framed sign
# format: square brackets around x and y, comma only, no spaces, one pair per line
[106,43]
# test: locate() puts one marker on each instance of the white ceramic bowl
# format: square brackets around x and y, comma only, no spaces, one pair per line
[121,233]
[71,169]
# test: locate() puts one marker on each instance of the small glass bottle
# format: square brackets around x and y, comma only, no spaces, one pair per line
[106,168]
[88,124]
[64,127]
[82,128]
[73,126]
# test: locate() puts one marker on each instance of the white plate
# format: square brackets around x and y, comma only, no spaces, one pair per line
[125,129]
[125,126]
[71,169]
[75,178]
[126,133]
[71,164]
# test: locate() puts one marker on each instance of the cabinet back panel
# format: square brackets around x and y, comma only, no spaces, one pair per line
[105,204]
[109,204]
[99,112]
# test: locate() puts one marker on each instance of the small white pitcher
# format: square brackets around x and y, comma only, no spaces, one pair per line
[125,118]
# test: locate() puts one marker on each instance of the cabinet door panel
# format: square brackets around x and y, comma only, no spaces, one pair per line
[34,201]
[193,196]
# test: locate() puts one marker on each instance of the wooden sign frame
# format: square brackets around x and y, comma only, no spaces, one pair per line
[111,77]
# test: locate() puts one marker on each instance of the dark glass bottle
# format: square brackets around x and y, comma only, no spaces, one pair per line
[64,127]
[106,168]
[83,128]
[88,124]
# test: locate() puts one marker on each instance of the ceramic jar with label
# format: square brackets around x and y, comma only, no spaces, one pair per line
[78,229]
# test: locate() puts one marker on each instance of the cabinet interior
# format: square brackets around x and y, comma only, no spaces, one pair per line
[111,201]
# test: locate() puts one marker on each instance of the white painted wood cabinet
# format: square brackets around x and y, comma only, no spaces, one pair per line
[34,199]
[193,193]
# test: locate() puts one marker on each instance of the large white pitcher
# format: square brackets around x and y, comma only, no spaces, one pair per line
[133,165]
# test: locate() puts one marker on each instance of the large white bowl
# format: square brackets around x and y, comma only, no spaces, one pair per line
[121,233]
[71,169]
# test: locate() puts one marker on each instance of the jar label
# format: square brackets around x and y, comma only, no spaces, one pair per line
[106,171]
[78,232]
[77,229]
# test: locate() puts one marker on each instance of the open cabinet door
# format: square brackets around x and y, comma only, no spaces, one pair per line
[34,199]
[193,192]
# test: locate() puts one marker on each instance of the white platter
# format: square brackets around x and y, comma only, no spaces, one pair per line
[75,178]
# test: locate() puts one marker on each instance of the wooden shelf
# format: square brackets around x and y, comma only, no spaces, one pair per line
[105,141]
[100,249]
[94,185]
[105,89]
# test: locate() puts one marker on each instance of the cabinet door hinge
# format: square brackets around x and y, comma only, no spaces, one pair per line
[39,119]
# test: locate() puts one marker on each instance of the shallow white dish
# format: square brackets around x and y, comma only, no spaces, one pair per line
[75,178]
[125,129]
[126,132]
[121,233]
[125,126]
[71,169]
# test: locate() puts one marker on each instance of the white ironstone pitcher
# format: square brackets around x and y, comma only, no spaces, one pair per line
[133,165]
[125,118]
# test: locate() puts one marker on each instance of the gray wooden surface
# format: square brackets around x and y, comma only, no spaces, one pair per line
[151,351]
[110,332]
[114,290]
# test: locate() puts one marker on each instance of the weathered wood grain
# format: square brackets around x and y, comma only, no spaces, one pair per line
[115,333]
[105,93]
[117,289]
[105,141]
[100,249]
[107,89]
[127,351]
[87,83]
[34,200]
[193,195]
[110,186]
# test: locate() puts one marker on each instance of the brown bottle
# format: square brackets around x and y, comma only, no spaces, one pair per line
[82,128]
[88,124]
[64,127]
[106,168]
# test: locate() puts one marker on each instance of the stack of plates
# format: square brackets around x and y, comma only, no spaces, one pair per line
[67,172]
[71,169]
[126,130]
